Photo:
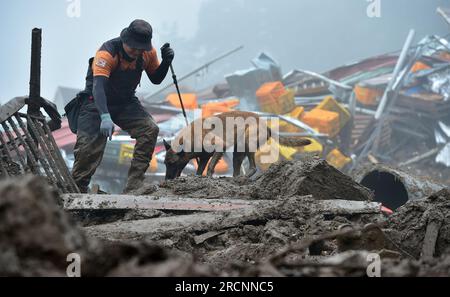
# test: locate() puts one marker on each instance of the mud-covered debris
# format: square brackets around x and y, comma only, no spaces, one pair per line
[370,238]
[11,168]
[204,187]
[146,189]
[309,176]
[141,258]
[354,263]
[409,224]
[242,237]
[437,267]
[35,234]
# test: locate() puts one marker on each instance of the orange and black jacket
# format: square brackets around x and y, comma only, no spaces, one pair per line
[113,77]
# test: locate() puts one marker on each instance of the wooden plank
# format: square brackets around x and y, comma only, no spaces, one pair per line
[105,202]
[205,236]
[348,206]
[109,202]
[202,223]
[431,235]
[205,225]
[133,230]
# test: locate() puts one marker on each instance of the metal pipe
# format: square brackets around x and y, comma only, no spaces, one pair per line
[421,157]
[394,186]
[6,149]
[37,131]
[5,172]
[398,67]
[15,147]
[35,148]
[324,78]
[35,71]
[147,98]
[290,120]
[60,161]
[30,157]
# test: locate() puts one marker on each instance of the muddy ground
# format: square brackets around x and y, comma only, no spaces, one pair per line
[290,230]
[309,176]
[36,236]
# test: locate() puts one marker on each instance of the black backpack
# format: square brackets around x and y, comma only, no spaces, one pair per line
[72,110]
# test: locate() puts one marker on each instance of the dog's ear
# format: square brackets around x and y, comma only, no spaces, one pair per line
[166,145]
[181,153]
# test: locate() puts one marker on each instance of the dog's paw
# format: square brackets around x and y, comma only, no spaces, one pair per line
[240,180]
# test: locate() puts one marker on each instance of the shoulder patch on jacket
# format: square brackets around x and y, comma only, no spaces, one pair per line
[101,63]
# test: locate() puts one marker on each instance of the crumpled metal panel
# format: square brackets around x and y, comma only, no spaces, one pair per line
[439,83]
[439,137]
[443,157]
[442,133]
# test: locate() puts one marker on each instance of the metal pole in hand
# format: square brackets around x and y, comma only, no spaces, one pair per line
[175,82]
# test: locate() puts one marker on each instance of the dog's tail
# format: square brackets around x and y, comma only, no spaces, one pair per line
[291,141]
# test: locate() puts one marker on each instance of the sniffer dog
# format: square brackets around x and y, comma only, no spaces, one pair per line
[208,138]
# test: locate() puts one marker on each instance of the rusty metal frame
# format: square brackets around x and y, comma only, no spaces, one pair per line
[26,141]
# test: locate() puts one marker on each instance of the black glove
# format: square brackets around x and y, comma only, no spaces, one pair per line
[167,53]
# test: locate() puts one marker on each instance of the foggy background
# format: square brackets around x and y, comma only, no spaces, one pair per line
[309,34]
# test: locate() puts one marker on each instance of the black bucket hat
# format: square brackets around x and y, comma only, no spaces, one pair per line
[138,35]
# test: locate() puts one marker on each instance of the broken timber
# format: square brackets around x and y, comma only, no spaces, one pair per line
[431,236]
[421,157]
[213,216]
[105,202]
[124,202]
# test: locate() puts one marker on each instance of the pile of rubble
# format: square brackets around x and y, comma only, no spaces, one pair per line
[309,176]
[307,226]
[36,237]
[300,216]
[389,109]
